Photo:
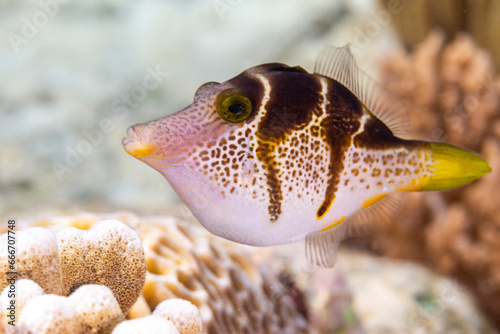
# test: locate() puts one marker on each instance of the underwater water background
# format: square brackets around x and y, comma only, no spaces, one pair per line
[75,75]
[72,82]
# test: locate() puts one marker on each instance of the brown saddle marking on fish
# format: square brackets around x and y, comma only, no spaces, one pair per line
[294,98]
[377,136]
[342,121]
[252,87]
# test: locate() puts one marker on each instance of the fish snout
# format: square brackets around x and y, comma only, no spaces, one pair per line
[138,142]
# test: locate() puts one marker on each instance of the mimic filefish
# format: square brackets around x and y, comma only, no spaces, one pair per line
[277,154]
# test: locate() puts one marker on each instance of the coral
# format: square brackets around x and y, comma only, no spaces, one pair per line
[97,308]
[233,294]
[452,95]
[48,314]
[110,253]
[183,314]
[415,19]
[36,258]
[90,309]
[139,309]
[236,291]
[147,325]
[25,290]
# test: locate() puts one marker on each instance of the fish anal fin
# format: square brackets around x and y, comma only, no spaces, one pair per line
[322,246]
[339,64]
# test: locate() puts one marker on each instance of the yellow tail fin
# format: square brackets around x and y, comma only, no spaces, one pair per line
[453,167]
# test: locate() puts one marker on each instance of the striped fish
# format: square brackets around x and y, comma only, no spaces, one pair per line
[277,154]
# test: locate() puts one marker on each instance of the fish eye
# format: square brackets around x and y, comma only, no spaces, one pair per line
[205,86]
[233,106]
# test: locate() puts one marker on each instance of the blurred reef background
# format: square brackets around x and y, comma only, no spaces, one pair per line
[74,75]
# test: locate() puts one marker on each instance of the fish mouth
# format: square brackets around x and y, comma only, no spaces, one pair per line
[137,142]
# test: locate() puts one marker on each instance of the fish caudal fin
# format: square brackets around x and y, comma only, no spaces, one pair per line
[453,167]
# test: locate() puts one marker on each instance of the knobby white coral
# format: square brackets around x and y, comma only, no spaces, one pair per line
[48,314]
[25,290]
[183,314]
[97,308]
[232,294]
[36,258]
[90,309]
[110,253]
[147,325]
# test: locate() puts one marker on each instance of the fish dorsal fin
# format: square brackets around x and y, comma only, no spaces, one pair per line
[339,64]
[322,246]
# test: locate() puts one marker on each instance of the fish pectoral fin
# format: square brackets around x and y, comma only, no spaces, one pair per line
[339,64]
[322,246]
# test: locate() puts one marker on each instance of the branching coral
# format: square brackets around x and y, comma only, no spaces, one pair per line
[414,20]
[452,96]
[110,253]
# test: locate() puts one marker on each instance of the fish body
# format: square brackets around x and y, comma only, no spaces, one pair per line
[277,154]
